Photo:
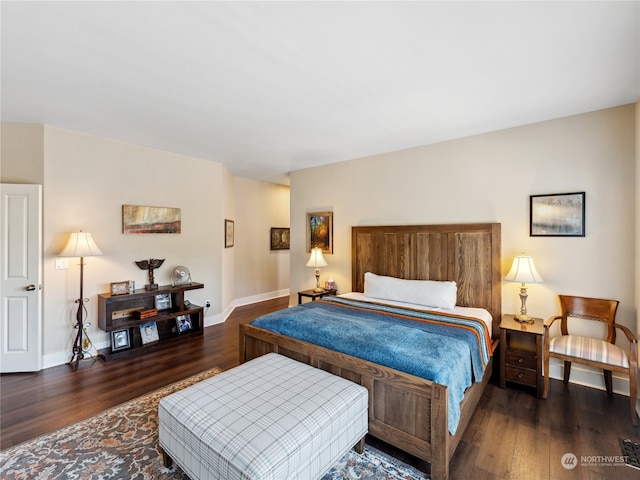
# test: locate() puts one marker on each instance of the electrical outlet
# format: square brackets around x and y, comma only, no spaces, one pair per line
[207,304]
[62,263]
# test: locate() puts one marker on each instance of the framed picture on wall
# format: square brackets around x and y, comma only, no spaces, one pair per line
[280,238]
[228,233]
[320,231]
[143,219]
[557,215]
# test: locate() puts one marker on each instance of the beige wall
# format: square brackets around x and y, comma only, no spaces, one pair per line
[259,271]
[488,178]
[24,165]
[86,181]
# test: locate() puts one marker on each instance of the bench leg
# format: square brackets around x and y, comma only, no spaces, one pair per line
[359,447]
[167,461]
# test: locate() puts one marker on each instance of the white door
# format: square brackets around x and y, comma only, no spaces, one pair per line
[21,264]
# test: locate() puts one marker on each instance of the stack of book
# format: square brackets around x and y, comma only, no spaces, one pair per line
[152,312]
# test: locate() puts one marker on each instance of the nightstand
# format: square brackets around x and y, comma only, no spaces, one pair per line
[313,295]
[521,352]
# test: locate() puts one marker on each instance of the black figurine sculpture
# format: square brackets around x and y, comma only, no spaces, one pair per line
[150,265]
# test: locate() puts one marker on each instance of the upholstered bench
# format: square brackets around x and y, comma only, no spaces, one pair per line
[269,418]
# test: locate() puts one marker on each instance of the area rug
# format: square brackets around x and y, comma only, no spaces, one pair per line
[122,443]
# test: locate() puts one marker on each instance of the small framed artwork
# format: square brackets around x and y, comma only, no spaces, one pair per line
[320,231]
[149,332]
[557,215]
[228,233]
[163,301]
[280,238]
[120,288]
[120,340]
[183,322]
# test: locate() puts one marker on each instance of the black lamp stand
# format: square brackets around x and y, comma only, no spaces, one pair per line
[78,351]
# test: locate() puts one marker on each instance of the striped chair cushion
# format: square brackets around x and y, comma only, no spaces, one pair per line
[589,349]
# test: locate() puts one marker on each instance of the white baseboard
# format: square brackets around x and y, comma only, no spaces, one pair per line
[261,298]
[60,358]
[239,302]
[589,377]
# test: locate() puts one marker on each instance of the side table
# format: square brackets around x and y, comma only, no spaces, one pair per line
[521,352]
[313,295]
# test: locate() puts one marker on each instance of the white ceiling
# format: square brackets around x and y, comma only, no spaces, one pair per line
[271,87]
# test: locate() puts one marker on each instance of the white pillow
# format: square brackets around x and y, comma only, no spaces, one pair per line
[422,292]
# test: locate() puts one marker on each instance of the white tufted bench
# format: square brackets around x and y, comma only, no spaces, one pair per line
[270,418]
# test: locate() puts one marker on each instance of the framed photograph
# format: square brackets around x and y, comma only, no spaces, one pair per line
[163,301]
[149,332]
[183,322]
[120,340]
[228,233]
[557,215]
[143,219]
[320,231]
[280,239]
[120,288]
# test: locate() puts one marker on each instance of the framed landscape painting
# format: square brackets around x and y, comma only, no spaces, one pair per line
[143,219]
[557,215]
[320,231]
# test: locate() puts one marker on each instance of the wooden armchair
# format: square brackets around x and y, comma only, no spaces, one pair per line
[590,351]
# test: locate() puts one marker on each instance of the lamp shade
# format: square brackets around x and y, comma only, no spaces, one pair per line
[80,244]
[523,271]
[316,259]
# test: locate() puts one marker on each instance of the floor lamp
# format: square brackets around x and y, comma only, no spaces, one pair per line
[80,244]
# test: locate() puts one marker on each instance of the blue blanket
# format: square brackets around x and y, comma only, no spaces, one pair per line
[448,350]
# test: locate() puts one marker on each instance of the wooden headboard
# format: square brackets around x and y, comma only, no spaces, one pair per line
[468,254]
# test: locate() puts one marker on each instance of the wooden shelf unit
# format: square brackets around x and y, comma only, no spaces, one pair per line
[165,319]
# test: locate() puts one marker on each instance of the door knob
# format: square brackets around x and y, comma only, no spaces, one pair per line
[30,288]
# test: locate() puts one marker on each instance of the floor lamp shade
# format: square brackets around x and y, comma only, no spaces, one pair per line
[80,244]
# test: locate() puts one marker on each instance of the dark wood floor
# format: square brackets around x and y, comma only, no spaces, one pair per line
[514,435]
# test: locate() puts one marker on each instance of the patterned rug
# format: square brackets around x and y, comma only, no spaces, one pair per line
[122,443]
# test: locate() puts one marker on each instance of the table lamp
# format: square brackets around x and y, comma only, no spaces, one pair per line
[317,260]
[523,271]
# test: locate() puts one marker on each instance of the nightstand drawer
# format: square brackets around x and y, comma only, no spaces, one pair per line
[521,352]
[520,359]
[521,375]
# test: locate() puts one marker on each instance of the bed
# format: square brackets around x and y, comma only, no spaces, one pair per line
[405,410]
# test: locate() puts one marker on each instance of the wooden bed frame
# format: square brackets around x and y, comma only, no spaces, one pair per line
[406,411]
